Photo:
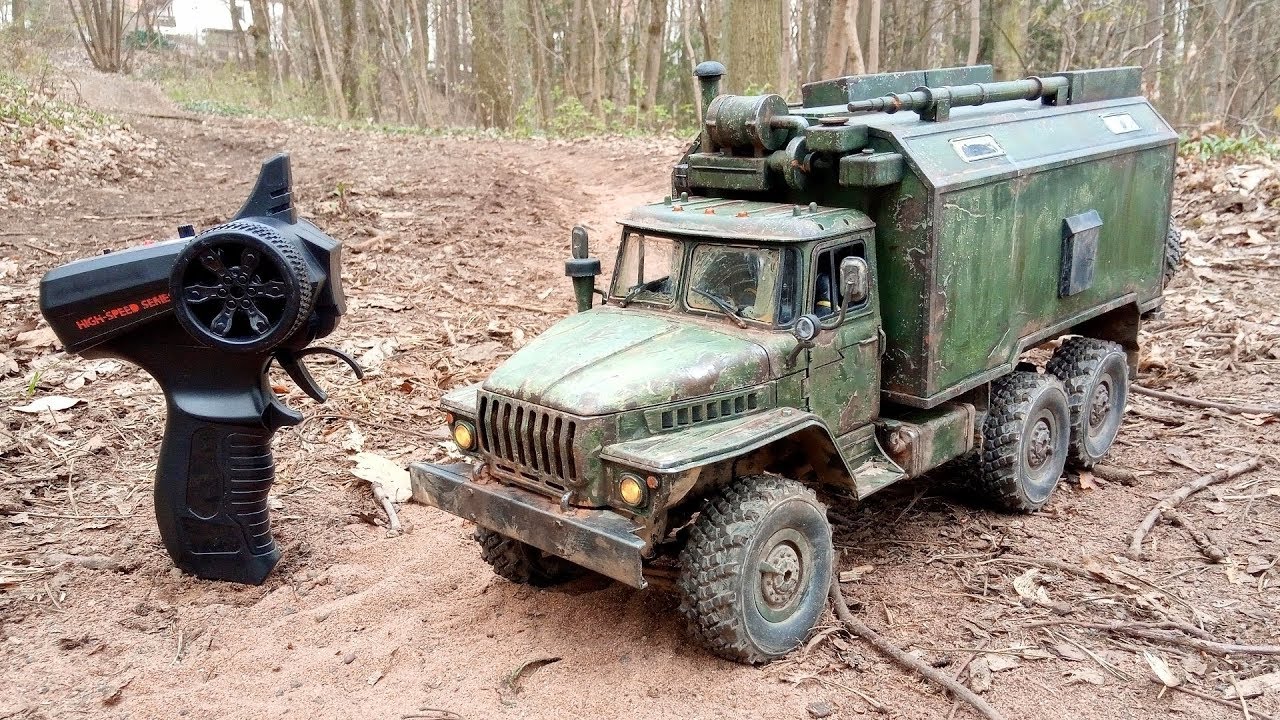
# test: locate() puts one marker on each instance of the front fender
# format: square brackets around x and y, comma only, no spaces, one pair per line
[712,442]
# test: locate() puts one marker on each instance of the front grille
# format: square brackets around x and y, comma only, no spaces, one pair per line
[529,443]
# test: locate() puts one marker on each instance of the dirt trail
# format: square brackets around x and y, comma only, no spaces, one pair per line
[454,259]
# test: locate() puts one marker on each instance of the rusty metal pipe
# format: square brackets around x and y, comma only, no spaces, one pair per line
[925,100]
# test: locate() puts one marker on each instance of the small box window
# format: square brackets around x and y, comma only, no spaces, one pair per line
[979,147]
[1120,123]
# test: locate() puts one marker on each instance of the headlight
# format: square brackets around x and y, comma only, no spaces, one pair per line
[464,435]
[631,489]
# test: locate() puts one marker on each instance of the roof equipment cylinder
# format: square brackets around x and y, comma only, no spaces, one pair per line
[936,103]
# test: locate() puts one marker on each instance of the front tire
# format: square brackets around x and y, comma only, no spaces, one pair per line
[755,571]
[1025,438]
[1095,374]
[522,563]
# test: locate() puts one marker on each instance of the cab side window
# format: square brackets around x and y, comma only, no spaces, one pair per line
[826,289]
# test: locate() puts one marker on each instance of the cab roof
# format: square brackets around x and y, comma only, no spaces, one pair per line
[750,220]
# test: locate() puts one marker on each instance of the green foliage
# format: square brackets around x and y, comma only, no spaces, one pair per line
[1211,146]
[230,90]
[570,118]
[33,382]
[24,104]
[144,40]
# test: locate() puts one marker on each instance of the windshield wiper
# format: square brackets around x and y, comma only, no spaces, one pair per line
[724,306]
[635,290]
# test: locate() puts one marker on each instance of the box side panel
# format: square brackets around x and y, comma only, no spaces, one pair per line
[902,263]
[1000,255]
[978,269]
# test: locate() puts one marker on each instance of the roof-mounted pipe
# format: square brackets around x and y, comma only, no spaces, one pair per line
[936,103]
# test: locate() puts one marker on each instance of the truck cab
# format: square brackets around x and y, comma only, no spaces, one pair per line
[829,302]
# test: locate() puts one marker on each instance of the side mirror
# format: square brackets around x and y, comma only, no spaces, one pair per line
[581,268]
[855,279]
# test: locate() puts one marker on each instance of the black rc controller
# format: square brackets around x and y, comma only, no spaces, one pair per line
[206,315]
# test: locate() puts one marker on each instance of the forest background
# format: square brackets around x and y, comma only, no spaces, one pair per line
[579,67]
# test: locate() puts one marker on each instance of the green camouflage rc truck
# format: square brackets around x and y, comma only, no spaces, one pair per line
[838,295]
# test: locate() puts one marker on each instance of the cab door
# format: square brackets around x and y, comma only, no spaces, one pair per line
[844,364]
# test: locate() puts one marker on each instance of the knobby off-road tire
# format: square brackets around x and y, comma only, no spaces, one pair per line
[1024,441]
[756,568]
[1095,374]
[1172,254]
[522,563]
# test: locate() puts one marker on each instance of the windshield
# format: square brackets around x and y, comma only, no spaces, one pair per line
[646,266]
[743,278]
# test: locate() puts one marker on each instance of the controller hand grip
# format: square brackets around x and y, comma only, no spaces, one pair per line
[211,493]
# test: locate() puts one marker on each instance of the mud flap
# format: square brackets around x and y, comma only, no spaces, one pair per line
[599,540]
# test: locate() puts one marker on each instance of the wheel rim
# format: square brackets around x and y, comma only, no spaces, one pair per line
[1042,454]
[240,302]
[1103,410]
[782,575]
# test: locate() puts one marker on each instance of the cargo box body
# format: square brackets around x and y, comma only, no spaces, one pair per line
[972,253]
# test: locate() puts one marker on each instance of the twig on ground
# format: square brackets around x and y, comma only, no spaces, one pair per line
[393,520]
[1213,647]
[1211,404]
[1220,701]
[910,662]
[1182,493]
[1111,473]
[1201,538]
[431,436]
[1185,627]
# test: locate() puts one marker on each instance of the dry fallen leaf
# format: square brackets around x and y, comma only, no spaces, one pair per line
[1162,670]
[40,337]
[979,675]
[355,438]
[48,402]
[1027,587]
[1254,686]
[855,574]
[393,478]
[999,662]
[1090,675]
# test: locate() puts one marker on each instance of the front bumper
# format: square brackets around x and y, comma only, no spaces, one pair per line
[599,540]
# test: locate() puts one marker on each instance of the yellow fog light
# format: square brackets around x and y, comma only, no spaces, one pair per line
[631,490]
[464,436]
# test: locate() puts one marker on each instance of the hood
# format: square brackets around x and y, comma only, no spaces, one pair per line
[608,359]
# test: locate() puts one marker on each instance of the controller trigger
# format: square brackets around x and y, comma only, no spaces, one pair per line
[291,362]
[292,365]
[322,350]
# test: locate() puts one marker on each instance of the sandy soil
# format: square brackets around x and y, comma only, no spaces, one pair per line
[454,252]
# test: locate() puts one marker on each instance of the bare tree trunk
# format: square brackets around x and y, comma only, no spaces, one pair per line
[100,25]
[597,61]
[873,37]
[260,31]
[787,67]
[1008,38]
[237,26]
[754,43]
[975,31]
[350,73]
[490,63]
[690,59]
[654,40]
[844,48]
[337,98]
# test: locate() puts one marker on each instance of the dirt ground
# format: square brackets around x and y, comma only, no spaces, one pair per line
[454,251]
